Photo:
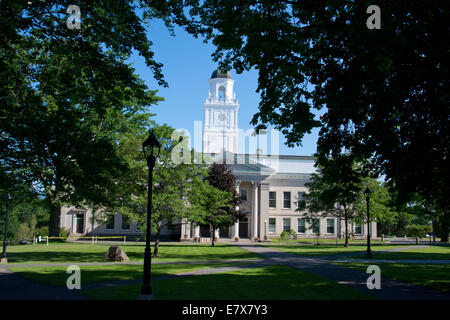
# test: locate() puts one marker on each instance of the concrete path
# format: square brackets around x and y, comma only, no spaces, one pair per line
[390,290]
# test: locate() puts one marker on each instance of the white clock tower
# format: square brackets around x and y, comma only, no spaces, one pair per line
[220,130]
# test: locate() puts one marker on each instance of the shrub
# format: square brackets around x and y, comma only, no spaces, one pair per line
[414,230]
[24,232]
[64,233]
[43,231]
[288,235]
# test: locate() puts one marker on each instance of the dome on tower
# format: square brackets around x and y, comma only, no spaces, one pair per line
[219,74]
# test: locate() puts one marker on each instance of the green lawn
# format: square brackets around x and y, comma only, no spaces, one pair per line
[57,276]
[84,252]
[435,252]
[274,282]
[436,276]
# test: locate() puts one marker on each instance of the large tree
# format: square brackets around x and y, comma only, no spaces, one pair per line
[172,182]
[211,205]
[334,191]
[68,94]
[385,90]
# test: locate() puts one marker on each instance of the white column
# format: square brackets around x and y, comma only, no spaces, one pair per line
[187,229]
[236,224]
[255,210]
[197,232]
[216,233]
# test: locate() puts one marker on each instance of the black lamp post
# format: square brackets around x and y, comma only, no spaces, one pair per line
[368,193]
[7,198]
[151,148]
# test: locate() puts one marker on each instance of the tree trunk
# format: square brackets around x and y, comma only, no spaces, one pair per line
[346,229]
[155,250]
[55,217]
[444,225]
[433,226]
[212,237]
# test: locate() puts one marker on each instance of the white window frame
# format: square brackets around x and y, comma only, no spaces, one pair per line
[113,216]
[246,194]
[274,225]
[303,198]
[334,225]
[284,200]
[274,192]
[285,219]
[304,225]
[312,225]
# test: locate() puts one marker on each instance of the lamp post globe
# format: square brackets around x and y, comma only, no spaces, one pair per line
[151,148]
[367,194]
[3,258]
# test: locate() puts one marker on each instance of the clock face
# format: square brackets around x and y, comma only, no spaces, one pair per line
[221,117]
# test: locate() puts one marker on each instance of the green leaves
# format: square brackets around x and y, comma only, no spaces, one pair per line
[69,96]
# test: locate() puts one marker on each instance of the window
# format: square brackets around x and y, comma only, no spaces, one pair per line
[243,194]
[301,227]
[316,226]
[286,200]
[286,224]
[272,225]
[272,199]
[301,203]
[110,221]
[125,222]
[358,228]
[330,226]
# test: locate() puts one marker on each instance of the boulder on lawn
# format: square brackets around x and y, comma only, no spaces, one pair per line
[114,253]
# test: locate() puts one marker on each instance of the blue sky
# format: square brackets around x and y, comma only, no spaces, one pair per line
[187,67]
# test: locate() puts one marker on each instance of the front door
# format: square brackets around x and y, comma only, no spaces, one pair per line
[205,231]
[80,222]
[243,228]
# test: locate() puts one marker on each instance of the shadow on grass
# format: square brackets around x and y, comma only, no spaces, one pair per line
[61,253]
[426,275]
[275,283]
[57,276]
[357,251]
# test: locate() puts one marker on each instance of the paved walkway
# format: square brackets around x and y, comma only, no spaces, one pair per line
[390,290]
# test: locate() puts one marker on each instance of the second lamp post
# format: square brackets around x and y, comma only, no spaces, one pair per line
[4,259]
[367,193]
[151,148]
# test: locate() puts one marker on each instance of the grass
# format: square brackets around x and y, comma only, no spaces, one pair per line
[435,276]
[272,282]
[85,252]
[57,276]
